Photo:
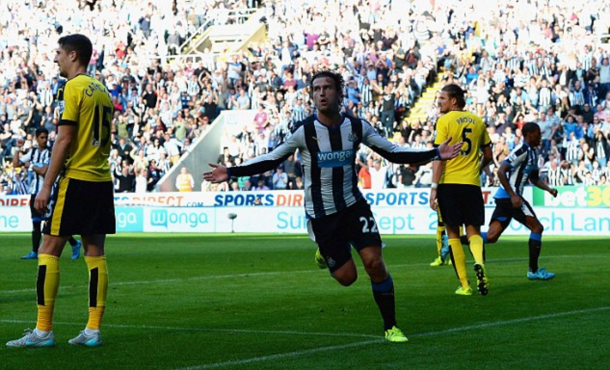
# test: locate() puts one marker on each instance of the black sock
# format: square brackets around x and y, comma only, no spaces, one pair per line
[534,246]
[464,240]
[384,297]
[72,241]
[36,236]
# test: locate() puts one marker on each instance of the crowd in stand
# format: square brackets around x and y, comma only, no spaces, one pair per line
[519,61]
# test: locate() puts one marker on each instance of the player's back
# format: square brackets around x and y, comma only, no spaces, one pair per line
[87,104]
[470,129]
[523,161]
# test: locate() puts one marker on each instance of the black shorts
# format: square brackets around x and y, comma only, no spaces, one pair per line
[505,212]
[81,208]
[461,204]
[335,233]
[36,216]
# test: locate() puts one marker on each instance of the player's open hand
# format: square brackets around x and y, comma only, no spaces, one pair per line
[447,151]
[41,202]
[516,201]
[433,202]
[217,175]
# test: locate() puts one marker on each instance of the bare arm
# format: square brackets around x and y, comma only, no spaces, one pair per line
[16,161]
[398,154]
[260,164]
[437,171]
[536,180]
[514,198]
[487,157]
[41,171]
[65,135]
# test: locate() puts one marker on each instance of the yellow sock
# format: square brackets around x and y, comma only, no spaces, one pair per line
[476,247]
[459,261]
[47,285]
[439,238]
[98,289]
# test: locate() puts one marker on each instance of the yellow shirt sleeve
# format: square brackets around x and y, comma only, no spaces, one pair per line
[486,139]
[71,108]
[442,131]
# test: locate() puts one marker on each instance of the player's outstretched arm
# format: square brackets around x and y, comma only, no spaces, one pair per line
[536,180]
[397,154]
[446,151]
[217,175]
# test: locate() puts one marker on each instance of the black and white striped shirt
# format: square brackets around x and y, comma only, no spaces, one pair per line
[568,176]
[573,150]
[298,113]
[328,156]
[523,162]
[513,63]
[37,158]
[600,150]
[555,177]
[544,97]
[585,59]
[366,94]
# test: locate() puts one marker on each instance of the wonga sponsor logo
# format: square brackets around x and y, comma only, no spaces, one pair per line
[129,219]
[337,158]
[179,219]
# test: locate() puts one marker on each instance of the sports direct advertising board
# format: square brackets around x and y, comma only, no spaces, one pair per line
[576,211]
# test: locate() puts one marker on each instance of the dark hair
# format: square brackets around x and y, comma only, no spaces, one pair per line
[454,91]
[41,130]
[78,43]
[336,77]
[529,127]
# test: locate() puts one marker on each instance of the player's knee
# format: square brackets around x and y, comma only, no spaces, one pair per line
[374,265]
[492,237]
[347,280]
[537,228]
[346,275]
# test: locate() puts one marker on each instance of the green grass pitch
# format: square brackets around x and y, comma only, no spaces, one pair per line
[254,301]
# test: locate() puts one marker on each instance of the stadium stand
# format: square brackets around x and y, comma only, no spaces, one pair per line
[520,61]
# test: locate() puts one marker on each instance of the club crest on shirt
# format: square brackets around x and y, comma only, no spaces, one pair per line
[352,137]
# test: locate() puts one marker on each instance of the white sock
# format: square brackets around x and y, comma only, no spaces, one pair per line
[41,333]
[91,331]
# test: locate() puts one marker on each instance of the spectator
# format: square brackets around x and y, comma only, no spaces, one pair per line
[141,182]
[185,181]
[280,179]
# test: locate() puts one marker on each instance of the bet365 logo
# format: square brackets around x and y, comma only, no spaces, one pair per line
[574,196]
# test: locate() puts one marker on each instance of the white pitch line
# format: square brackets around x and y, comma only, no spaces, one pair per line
[281,355]
[323,349]
[254,274]
[176,280]
[211,330]
[361,344]
[509,322]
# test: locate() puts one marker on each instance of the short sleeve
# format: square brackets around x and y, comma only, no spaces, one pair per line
[441,131]
[71,105]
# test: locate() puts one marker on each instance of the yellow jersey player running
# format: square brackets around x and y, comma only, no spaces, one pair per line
[82,200]
[456,184]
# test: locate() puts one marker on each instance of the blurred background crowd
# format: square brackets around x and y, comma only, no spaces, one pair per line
[519,61]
